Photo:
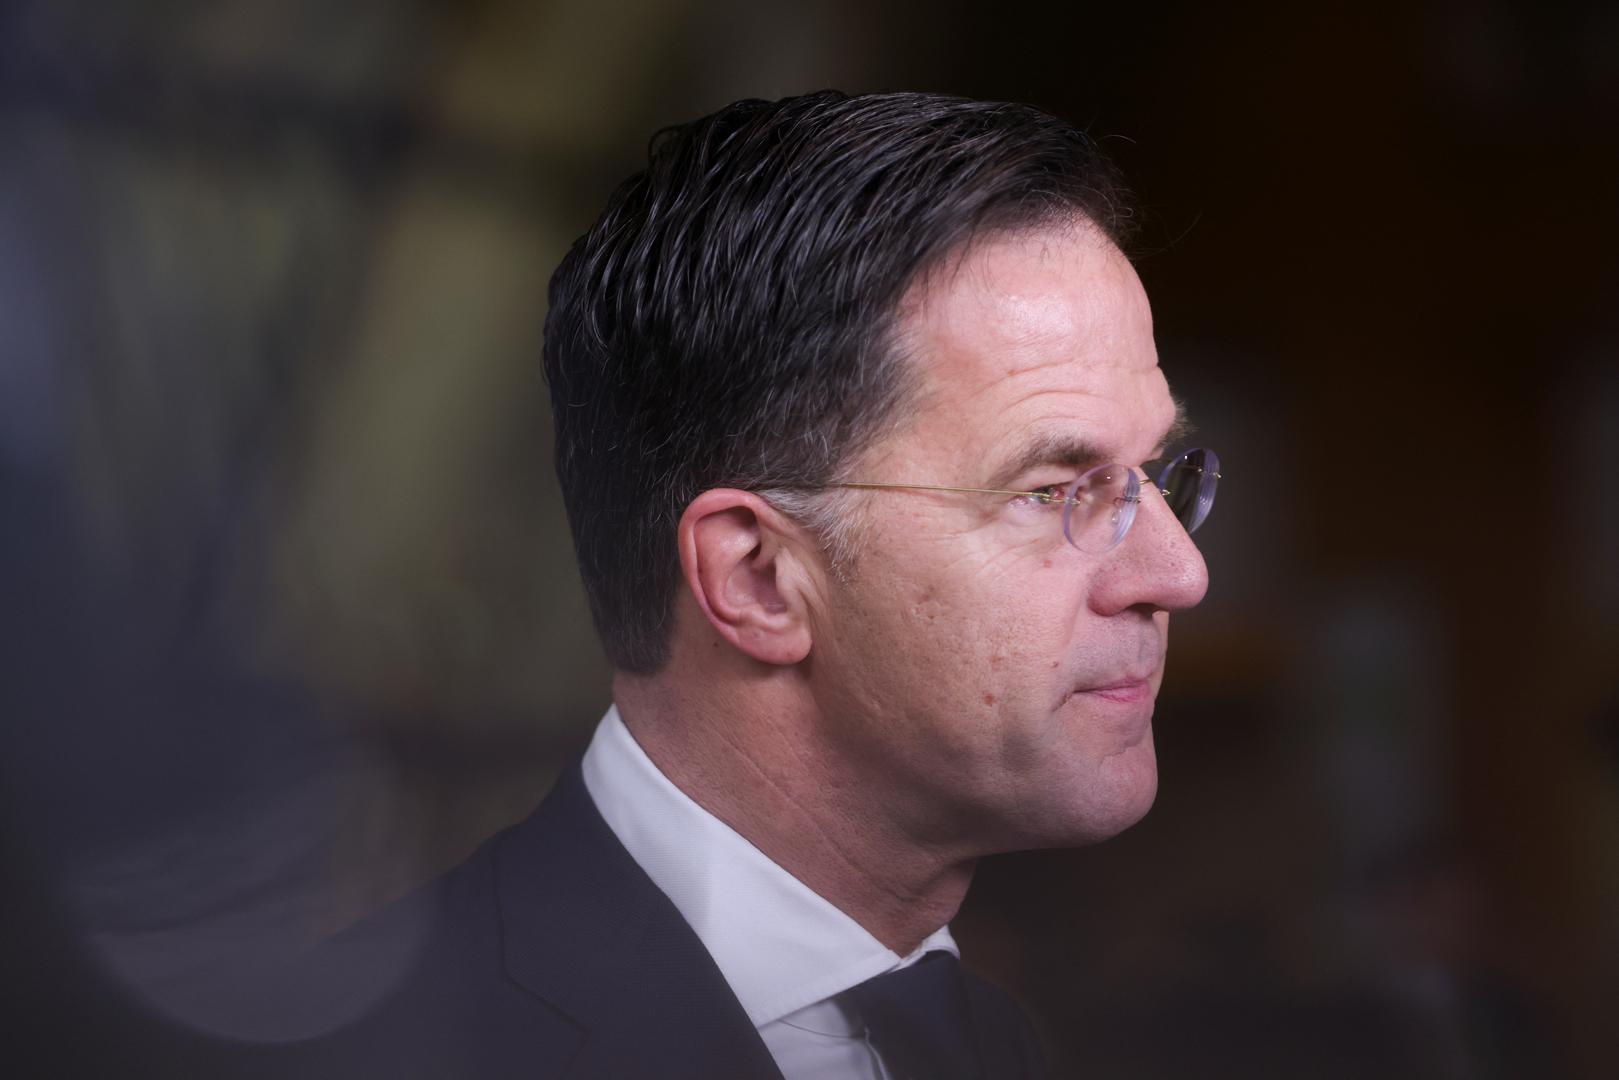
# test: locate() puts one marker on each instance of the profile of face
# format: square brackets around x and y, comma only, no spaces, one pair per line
[995,681]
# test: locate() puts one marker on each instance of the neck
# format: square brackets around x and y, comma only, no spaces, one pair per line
[753,759]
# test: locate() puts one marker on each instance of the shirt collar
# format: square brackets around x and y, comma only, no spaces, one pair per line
[780,945]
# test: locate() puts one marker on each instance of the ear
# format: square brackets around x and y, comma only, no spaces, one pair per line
[740,558]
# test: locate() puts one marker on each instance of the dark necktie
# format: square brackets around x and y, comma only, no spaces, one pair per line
[928,1024]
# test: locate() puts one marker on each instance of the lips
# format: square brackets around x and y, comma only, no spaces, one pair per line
[1123,691]
[1128,686]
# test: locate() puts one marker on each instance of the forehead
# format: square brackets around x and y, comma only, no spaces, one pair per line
[1036,335]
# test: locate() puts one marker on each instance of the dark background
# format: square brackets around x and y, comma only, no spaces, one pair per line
[287,605]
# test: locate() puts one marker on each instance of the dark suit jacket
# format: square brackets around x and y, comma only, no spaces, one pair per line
[550,953]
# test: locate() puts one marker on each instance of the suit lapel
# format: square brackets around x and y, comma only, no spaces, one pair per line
[584,928]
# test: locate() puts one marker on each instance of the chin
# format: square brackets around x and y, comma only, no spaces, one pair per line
[1133,813]
[1113,797]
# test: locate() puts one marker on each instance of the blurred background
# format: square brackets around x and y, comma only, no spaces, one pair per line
[288,612]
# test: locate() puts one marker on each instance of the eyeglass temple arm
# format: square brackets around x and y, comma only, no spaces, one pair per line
[938,487]
[1040,495]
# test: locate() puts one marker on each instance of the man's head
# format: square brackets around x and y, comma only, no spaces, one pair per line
[729,319]
[896,289]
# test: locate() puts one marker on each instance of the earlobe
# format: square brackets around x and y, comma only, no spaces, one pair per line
[737,555]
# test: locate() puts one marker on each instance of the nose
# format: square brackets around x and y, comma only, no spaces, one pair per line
[1156,565]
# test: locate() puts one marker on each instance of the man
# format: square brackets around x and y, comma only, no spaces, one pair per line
[852,398]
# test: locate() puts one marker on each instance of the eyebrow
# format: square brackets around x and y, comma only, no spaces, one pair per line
[1077,452]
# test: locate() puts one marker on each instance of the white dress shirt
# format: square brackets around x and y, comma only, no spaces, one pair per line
[785,950]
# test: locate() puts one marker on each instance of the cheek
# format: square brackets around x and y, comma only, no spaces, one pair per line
[1028,621]
[1032,651]
[973,635]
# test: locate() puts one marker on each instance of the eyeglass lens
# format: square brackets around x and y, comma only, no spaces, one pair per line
[1101,505]
[1188,484]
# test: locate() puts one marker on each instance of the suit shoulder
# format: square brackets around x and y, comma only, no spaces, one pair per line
[449,1008]
[1005,1027]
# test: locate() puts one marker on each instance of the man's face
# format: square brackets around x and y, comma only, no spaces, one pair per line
[995,681]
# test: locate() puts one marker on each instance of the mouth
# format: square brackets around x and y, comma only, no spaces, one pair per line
[1124,691]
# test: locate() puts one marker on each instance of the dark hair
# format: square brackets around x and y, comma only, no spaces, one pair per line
[728,320]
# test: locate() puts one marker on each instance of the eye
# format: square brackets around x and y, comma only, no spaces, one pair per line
[1049,496]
